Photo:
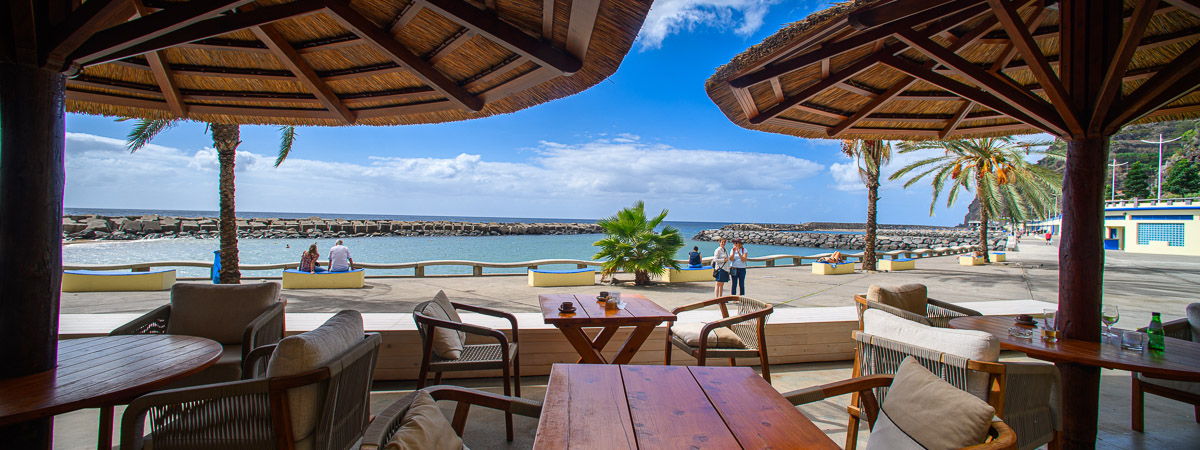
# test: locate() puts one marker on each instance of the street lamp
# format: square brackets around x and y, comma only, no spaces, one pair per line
[1160,143]
[1114,177]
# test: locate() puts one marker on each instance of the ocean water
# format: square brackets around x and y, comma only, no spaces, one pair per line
[391,249]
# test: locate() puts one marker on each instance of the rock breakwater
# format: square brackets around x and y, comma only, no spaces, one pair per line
[151,227]
[895,238]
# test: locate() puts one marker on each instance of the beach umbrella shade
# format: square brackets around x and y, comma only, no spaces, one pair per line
[288,62]
[940,69]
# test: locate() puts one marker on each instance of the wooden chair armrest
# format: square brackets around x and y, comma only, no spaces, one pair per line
[153,322]
[251,362]
[512,319]
[834,389]
[515,405]
[1002,438]
[1178,329]
[464,327]
[736,319]
[709,302]
[265,329]
[952,307]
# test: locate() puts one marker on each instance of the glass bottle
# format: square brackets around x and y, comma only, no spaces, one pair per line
[1155,333]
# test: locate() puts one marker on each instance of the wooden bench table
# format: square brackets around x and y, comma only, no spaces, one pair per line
[639,312]
[597,407]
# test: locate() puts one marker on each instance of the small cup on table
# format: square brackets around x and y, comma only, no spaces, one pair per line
[1049,325]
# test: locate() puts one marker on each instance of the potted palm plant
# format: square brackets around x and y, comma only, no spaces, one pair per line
[632,245]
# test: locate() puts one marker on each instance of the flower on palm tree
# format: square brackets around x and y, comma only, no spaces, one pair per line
[632,245]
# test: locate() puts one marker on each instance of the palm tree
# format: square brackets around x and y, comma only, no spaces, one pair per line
[996,169]
[226,141]
[870,156]
[630,244]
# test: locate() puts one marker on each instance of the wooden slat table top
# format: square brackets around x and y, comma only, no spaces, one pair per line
[1180,360]
[649,407]
[98,371]
[590,312]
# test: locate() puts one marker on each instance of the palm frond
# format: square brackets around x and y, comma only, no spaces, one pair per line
[287,137]
[145,130]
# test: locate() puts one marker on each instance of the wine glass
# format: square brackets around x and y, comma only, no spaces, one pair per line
[1110,315]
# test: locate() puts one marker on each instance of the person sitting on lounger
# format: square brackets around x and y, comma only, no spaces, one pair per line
[835,258]
[308,260]
[694,260]
[339,258]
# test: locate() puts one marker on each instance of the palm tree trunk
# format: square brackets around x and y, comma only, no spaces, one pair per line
[983,217]
[225,139]
[869,241]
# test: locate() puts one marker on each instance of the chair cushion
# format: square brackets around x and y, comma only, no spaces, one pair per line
[922,411]
[1185,386]
[970,344]
[721,337]
[1193,317]
[307,351]
[424,427]
[910,297]
[219,312]
[447,343]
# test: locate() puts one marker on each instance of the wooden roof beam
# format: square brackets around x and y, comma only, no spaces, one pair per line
[196,31]
[162,74]
[1015,26]
[405,16]
[957,119]
[449,45]
[888,12]
[1177,79]
[91,17]
[343,13]
[1114,75]
[150,27]
[814,89]
[581,25]
[288,57]
[507,36]
[1191,6]
[548,20]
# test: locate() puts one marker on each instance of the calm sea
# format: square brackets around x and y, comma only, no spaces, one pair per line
[377,249]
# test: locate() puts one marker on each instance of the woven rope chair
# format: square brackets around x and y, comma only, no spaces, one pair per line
[502,355]
[254,413]
[749,324]
[1000,435]
[1142,384]
[391,419]
[937,313]
[1027,396]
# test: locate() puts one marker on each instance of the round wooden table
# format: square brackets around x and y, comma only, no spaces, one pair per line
[103,372]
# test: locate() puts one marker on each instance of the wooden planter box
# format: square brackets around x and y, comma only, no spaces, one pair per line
[820,268]
[572,277]
[295,279]
[109,280]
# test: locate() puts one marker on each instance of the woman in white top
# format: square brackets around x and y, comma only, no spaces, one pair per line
[738,270]
[720,264]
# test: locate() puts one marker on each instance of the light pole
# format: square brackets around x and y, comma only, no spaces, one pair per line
[1114,177]
[1160,143]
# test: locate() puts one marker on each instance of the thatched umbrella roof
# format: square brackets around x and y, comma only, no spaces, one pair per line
[338,62]
[832,76]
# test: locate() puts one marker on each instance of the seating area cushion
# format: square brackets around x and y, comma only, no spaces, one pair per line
[922,411]
[721,337]
[219,312]
[1193,317]
[447,343]
[424,427]
[307,351]
[910,297]
[971,344]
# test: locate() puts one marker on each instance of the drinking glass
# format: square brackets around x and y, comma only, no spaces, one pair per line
[1049,330]
[1110,315]
[1132,340]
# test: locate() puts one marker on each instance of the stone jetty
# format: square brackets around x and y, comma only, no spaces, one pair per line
[890,237]
[151,227]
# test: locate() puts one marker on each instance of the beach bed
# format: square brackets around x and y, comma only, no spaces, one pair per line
[969,260]
[111,280]
[999,257]
[896,265]
[295,279]
[822,268]
[687,274]
[569,277]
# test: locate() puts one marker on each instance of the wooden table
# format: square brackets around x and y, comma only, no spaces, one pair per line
[103,372]
[639,312]
[626,407]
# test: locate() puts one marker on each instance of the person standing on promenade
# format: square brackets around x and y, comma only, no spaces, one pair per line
[738,270]
[720,264]
[308,260]
[1049,238]
[339,258]
[694,260]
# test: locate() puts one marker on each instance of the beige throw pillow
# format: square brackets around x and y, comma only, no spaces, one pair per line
[307,351]
[424,427]
[922,411]
[721,337]
[911,297]
[447,343]
[219,312]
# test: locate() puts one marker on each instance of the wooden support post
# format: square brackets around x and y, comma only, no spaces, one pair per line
[477,270]
[419,271]
[31,199]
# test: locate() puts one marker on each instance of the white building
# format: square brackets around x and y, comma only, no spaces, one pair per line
[1167,226]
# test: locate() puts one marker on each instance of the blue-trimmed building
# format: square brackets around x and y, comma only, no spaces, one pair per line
[1167,226]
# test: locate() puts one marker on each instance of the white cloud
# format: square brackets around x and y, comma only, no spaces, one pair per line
[845,176]
[669,17]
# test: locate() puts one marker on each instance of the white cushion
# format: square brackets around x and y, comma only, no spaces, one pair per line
[424,427]
[1185,386]
[721,337]
[447,343]
[970,344]
[922,411]
[307,351]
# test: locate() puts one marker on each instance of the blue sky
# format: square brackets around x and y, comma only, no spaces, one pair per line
[649,132]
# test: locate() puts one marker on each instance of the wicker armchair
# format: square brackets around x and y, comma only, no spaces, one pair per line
[937,314]
[1027,396]
[1000,436]
[502,355]
[388,422]
[749,324]
[1184,391]
[261,413]
[246,329]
